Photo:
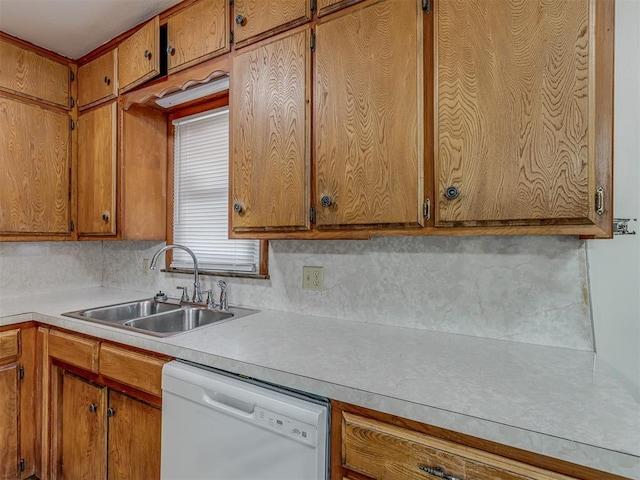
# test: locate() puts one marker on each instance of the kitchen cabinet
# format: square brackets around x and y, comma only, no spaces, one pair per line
[254,20]
[270,134]
[197,33]
[138,56]
[97,150]
[17,403]
[98,392]
[36,163]
[517,112]
[97,80]
[25,72]
[375,446]
[143,174]
[368,116]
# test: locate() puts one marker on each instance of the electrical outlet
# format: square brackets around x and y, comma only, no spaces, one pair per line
[145,266]
[312,278]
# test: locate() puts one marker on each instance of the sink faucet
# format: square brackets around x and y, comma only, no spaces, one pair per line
[197,294]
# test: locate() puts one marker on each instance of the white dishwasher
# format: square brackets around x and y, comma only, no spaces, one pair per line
[220,427]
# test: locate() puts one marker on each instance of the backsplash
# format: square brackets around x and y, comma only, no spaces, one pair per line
[527,289]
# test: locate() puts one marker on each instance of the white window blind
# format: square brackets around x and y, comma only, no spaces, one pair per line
[201,197]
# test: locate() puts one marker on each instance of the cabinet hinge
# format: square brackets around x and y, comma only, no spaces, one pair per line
[72,102]
[22,464]
[426,209]
[231,3]
[312,214]
[72,76]
[231,37]
[426,6]
[313,7]
[21,372]
[72,226]
[313,42]
[72,124]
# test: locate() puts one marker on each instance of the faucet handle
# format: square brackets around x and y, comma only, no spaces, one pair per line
[185,294]
[211,304]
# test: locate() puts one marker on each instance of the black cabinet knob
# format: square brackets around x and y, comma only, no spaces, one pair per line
[237,207]
[451,192]
[326,201]
[107,80]
[171,50]
[105,217]
[241,20]
[92,408]
[147,54]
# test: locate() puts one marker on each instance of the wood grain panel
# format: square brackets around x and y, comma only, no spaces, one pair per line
[84,434]
[133,67]
[270,134]
[382,450]
[144,174]
[79,351]
[9,344]
[97,80]
[9,421]
[143,372]
[35,161]
[368,116]
[97,152]
[513,111]
[264,17]
[25,72]
[328,6]
[133,452]
[198,32]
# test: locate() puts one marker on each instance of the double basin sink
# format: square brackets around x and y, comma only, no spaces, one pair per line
[156,318]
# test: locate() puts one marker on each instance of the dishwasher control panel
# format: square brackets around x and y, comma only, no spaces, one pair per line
[289,427]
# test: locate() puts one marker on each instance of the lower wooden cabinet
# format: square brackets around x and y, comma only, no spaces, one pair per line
[369,445]
[17,403]
[105,419]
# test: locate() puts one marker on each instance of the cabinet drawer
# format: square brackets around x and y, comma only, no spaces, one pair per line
[140,371]
[78,351]
[384,451]
[9,344]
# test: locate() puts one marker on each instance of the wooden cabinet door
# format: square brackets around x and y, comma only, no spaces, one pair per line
[83,429]
[196,33]
[9,421]
[35,165]
[134,438]
[27,73]
[138,56]
[97,80]
[368,120]
[97,171]
[255,19]
[270,134]
[326,7]
[514,119]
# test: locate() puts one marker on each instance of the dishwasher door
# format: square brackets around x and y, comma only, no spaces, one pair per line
[222,428]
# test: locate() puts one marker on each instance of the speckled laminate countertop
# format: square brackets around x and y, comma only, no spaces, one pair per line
[554,401]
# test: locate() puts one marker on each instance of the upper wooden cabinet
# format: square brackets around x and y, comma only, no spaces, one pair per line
[25,72]
[97,134]
[256,19]
[197,33]
[138,56]
[97,80]
[523,109]
[368,116]
[35,161]
[270,131]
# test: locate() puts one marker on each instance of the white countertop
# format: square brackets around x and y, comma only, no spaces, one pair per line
[557,402]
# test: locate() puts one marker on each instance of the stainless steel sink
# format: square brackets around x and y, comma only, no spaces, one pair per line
[160,319]
[128,311]
[180,320]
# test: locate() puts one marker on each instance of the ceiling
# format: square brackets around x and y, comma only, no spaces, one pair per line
[75,27]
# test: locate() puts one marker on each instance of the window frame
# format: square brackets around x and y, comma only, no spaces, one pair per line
[214,102]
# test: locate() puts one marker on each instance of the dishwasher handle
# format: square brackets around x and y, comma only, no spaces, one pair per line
[231,405]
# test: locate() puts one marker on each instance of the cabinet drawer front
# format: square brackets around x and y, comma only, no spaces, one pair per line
[384,451]
[254,20]
[32,75]
[78,351]
[9,344]
[135,369]
[138,59]
[97,80]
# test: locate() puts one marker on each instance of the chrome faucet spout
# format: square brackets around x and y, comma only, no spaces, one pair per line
[197,294]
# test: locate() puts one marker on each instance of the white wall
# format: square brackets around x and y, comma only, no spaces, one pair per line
[614,265]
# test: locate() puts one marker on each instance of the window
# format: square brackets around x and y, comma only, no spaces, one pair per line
[201,197]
